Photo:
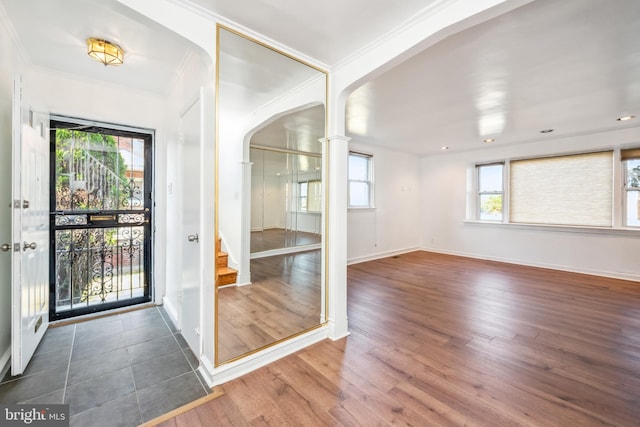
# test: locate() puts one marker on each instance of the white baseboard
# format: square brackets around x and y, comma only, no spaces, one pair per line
[229,371]
[380,255]
[603,273]
[171,311]
[5,362]
[206,368]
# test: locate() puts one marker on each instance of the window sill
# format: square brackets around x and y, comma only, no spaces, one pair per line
[361,209]
[626,231]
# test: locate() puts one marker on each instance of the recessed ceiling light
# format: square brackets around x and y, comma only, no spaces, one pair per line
[444,148]
[488,140]
[625,118]
[546,131]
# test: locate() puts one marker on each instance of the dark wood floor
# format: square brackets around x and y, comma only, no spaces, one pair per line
[442,340]
[283,299]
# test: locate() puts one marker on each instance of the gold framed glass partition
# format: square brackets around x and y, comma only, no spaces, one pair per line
[270,218]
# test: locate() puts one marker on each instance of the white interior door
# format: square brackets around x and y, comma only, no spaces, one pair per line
[30,230]
[190,253]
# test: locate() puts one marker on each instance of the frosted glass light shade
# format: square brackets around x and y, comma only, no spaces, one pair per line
[105,52]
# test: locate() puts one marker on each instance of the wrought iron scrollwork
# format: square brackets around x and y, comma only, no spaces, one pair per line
[130,218]
[132,195]
[101,283]
[71,220]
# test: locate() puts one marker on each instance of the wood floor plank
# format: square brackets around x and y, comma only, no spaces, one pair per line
[445,341]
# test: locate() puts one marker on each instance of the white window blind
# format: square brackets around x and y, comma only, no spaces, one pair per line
[564,190]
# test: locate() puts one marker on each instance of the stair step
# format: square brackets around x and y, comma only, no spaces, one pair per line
[226,276]
[223,259]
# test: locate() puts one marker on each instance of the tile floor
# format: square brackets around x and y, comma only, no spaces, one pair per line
[120,370]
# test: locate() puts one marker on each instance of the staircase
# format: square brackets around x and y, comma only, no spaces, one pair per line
[224,274]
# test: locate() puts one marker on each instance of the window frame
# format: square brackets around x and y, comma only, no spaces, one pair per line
[480,193]
[308,183]
[625,156]
[618,192]
[369,181]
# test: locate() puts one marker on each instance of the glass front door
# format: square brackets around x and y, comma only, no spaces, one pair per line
[100,219]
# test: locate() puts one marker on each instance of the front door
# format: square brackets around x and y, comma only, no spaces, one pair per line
[29,230]
[100,200]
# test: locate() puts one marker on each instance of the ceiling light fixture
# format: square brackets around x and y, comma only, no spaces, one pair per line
[546,131]
[488,140]
[625,118]
[104,51]
[444,148]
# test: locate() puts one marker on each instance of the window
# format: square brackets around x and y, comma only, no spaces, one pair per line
[490,191]
[564,190]
[310,196]
[360,180]
[631,160]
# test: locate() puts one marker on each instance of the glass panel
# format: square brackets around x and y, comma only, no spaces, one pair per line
[282,101]
[285,207]
[99,265]
[303,196]
[491,207]
[633,173]
[490,178]
[97,171]
[633,208]
[358,167]
[358,194]
[315,196]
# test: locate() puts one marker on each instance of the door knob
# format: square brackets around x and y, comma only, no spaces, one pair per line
[6,247]
[31,245]
[193,237]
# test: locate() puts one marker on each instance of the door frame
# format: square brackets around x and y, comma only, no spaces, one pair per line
[148,197]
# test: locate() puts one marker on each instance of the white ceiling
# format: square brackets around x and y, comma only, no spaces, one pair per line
[571,65]
[328,30]
[53,35]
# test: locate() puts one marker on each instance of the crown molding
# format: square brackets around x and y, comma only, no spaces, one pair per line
[5,20]
[219,19]
[404,27]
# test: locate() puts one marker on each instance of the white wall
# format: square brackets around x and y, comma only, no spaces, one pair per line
[185,96]
[443,227]
[391,227]
[9,63]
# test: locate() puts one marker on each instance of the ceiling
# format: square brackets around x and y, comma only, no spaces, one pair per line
[572,66]
[328,30]
[53,34]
